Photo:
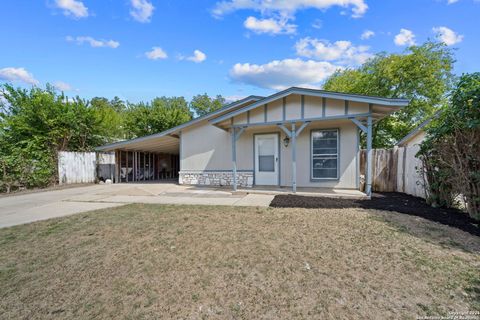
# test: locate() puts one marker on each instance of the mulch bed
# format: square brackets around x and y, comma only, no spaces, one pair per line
[387,201]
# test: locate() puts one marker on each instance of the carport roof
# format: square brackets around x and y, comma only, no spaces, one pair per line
[167,141]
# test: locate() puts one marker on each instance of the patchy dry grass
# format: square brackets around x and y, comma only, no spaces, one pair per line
[193,262]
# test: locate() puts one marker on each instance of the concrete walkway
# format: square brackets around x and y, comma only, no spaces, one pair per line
[25,208]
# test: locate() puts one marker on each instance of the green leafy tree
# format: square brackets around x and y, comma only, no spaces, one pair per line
[202,104]
[34,125]
[110,116]
[161,114]
[422,74]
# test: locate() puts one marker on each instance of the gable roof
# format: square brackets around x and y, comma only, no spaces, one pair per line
[388,102]
[417,130]
[178,128]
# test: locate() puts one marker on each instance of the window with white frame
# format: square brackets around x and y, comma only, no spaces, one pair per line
[324,151]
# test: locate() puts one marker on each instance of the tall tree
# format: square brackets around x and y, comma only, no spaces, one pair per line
[161,114]
[110,117]
[202,104]
[422,74]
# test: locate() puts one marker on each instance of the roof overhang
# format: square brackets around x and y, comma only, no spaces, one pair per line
[380,107]
[417,130]
[157,144]
[170,137]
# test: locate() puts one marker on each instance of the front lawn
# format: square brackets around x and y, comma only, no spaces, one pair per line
[195,262]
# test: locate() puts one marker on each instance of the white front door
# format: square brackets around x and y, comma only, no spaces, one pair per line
[266,159]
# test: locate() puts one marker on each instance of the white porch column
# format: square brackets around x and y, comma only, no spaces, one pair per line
[234,158]
[293,134]
[235,136]
[368,189]
[294,158]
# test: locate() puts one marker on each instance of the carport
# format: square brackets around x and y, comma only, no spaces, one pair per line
[150,158]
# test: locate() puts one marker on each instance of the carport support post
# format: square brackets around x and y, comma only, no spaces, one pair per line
[294,159]
[369,156]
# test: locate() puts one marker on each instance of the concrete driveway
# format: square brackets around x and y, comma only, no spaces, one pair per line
[25,208]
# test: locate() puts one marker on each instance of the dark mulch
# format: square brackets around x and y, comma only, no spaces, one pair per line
[389,201]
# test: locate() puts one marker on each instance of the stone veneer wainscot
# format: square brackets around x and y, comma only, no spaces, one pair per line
[216,178]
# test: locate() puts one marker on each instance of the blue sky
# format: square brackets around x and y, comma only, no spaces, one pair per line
[140,49]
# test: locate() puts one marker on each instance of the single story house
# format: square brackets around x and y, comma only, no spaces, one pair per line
[295,137]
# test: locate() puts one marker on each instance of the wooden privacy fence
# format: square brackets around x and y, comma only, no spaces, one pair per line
[85,167]
[395,169]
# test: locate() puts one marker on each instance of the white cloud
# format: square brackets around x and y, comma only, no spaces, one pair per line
[156,53]
[198,56]
[94,42]
[451,1]
[359,7]
[342,52]
[447,36]
[230,99]
[17,75]
[142,10]
[404,38]
[270,26]
[62,86]
[73,8]
[281,74]
[367,34]
[317,24]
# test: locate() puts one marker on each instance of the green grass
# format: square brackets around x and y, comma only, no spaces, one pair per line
[153,261]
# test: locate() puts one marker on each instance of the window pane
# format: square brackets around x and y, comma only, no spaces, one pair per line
[324,151]
[266,146]
[324,154]
[332,134]
[266,163]
[325,173]
[325,163]
[324,143]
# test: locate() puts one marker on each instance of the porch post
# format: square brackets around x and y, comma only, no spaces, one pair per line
[134,165]
[294,158]
[234,158]
[120,166]
[126,176]
[368,189]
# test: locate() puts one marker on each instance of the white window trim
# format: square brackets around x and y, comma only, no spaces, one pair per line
[337,154]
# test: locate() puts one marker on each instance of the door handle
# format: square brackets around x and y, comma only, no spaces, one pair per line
[276,159]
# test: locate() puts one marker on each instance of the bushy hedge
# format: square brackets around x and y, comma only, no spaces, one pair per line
[34,125]
[451,151]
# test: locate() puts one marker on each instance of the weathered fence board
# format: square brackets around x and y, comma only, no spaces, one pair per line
[395,169]
[409,171]
[106,166]
[76,167]
[85,167]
